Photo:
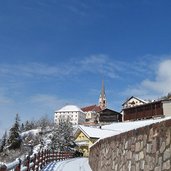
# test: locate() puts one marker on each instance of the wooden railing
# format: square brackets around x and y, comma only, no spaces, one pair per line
[36,162]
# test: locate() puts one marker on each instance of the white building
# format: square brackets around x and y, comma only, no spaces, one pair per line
[73,113]
[133,101]
[91,112]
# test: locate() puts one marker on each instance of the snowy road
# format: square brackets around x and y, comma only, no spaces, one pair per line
[75,164]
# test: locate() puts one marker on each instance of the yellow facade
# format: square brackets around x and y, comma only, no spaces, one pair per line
[84,143]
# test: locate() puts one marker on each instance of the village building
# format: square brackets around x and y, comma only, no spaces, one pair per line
[100,114]
[149,110]
[85,137]
[70,112]
[107,116]
[91,112]
[133,101]
[102,98]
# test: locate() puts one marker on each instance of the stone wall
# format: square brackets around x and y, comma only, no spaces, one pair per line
[144,149]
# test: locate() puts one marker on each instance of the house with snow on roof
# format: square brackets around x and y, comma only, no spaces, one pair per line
[133,101]
[91,112]
[86,136]
[70,112]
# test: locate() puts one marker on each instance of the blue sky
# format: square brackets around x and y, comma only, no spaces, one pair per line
[57,52]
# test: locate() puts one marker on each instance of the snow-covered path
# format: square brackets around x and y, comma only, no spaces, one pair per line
[75,164]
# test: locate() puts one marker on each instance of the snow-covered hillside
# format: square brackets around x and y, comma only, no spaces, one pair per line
[33,141]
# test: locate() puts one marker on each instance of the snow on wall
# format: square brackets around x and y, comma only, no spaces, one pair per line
[144,148]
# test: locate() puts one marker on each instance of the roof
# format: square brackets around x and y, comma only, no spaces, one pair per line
[69,108]
[109,110]
[116,128]
[135,98]
[145,104]
[91,108]
[92,132]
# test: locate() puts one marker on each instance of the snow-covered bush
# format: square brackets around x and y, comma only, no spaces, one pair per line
[62,136]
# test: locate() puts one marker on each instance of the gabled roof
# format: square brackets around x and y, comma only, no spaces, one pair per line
[91,108]
[143,101]
[113,112]
[69,108]
[91,132]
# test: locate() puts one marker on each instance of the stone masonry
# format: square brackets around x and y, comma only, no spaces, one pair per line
[144,149]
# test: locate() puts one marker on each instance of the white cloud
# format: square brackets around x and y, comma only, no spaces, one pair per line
[101,64]
[162,82]
[31,70]
[4,99]
[97,64]
[46,100]
[50,102]
[154,88]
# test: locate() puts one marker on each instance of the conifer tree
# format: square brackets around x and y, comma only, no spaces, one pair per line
[14,140]
[3,142]
[62,136]
[22,128]
[29,125]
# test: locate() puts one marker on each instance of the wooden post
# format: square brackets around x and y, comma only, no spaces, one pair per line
[3,168]
[48,156]
[45,157]
[18,167]
[53,155]
[28,163]
[41,159]
[59,156]
[37,161]
[56,155]
[34,161]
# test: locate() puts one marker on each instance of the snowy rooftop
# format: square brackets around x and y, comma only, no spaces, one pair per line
[116,128]
[69,108]
[92,132]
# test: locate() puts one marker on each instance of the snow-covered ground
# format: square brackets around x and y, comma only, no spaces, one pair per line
[75,164]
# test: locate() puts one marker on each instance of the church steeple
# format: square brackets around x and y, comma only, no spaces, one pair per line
[102,98]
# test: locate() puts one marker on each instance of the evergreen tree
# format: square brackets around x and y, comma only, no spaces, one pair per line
[22,128]
[14,140]
[29,125]
[62,136]
[44,122]
[3,142]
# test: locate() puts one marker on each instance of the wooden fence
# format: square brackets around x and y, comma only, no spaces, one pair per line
[37,161]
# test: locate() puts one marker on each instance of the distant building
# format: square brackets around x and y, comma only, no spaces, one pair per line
[133,101]
[107,116]
[102,98]
[73,113]
[92,110]
[148,110]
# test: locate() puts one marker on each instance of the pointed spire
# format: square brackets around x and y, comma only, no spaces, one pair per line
[102,98]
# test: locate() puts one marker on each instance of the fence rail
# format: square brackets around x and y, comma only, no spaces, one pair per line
[37,161]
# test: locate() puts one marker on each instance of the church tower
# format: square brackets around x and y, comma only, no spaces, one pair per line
[102,98]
